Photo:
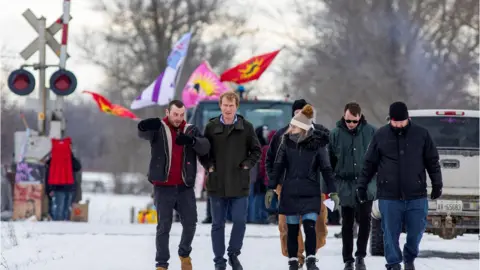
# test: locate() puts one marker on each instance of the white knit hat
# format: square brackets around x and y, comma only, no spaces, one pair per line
[304,119]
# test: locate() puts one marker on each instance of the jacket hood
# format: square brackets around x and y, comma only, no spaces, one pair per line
[341,122]
[322,133]
[316,137]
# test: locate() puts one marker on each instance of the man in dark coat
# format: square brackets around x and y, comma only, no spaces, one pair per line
[175,146]
[399,154]
[235,150]
[348,144]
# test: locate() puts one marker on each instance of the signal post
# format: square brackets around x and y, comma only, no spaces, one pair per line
[62,83]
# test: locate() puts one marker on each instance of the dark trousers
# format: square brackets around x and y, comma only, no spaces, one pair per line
[209,209]
[61,205]
[412,213]
[182,199]
[361,213]
[238,210]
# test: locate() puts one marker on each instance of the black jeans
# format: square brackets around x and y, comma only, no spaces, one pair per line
[361,214]
[182,199]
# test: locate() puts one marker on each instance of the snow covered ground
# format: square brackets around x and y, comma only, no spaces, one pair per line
[109,241]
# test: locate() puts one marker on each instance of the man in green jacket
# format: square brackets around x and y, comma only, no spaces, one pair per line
[234,150]
[348,145]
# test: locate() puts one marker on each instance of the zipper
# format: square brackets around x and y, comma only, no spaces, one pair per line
[165,149]
[184,173]
[184,165]
[278,149]
[402,193]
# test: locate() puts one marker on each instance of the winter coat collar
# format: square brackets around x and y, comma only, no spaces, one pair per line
[219,126]
[341,124]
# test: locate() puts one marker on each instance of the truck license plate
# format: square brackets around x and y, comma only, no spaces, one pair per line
[449,206]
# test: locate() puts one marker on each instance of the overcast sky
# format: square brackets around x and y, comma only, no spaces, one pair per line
[16,34]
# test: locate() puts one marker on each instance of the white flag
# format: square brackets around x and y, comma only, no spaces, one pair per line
[162,90]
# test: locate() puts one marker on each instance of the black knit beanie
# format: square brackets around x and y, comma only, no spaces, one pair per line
[398,111]
[298,105]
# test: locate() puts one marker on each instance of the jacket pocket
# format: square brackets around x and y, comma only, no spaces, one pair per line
[245,179]
[421,182]
[212,182]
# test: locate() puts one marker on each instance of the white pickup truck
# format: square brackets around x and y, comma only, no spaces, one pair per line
[456,134]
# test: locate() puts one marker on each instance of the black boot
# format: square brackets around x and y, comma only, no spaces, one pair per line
[207,220]
[220,267]
[312,263]
[234,262]
[348,266]
[293,264]
[360,264]
[338,235]
[394,267]
[409,266]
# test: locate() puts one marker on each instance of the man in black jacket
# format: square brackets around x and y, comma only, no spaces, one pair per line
[399,154]
[175,146]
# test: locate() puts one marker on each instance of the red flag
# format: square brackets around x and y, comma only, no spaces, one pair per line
[107,107]
[249,70]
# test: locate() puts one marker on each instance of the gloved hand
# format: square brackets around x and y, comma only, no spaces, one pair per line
[269,197]
[183,139]
[436,193]
[362,195]
[150,124]
[336,200]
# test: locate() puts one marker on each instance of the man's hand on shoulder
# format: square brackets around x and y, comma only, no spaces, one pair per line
[150,124]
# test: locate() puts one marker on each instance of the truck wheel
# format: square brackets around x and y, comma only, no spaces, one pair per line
[376,238]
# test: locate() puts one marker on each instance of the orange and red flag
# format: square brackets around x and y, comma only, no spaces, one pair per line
[107,107]
[249,70]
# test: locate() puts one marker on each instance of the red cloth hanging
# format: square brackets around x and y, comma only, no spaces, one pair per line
[61,168]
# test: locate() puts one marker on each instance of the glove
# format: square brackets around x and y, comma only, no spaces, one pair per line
[436,193]
[268,198]
[336,200]
[362,195]
[150,124]
[183,139]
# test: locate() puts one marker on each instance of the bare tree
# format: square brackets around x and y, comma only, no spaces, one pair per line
[133,50]
[424,52]
[141,34]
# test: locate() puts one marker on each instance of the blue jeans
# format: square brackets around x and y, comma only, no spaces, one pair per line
[261,214]
[395,213]
[257,212]
[238,209]
[61,205]
[296,219]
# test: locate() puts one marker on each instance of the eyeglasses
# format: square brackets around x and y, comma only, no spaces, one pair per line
[351,121]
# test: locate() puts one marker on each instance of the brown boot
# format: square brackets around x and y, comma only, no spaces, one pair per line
[186,263]
[161,268]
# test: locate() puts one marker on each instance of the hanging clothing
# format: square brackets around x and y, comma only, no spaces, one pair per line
[61,167]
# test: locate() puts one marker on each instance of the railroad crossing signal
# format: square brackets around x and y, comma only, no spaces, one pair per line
[21,82]
[49,36]
[63,82]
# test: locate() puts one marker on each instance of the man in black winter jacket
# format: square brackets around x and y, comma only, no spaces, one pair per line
[399,154]
[175,146]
